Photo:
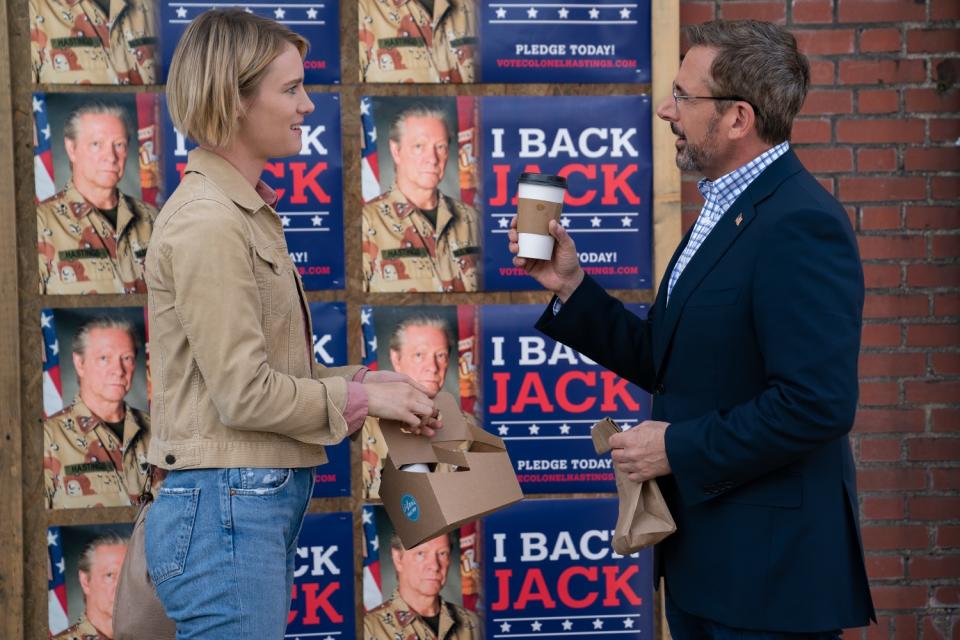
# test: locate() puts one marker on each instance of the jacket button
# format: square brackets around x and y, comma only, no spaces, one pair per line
[170,459]
[659,390]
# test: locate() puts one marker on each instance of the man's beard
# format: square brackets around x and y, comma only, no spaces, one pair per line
[694,157]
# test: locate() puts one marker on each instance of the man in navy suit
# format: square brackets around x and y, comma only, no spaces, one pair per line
[750,352]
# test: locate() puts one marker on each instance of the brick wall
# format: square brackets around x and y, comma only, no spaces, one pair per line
[881,130]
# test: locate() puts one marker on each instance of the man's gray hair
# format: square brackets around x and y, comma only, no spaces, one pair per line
[87,556]
[96,108]
[757,62]
[419,320]
[417,111]
[397,544]
[82,339]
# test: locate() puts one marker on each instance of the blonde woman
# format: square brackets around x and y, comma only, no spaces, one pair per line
[241,411]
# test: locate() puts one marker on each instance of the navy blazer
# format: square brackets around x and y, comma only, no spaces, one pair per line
[754,364]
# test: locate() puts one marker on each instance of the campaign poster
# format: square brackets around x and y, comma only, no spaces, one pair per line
[593,41]
[309,186]
[96,174]
[550,572]
[330,350]
[601,145]
[542,397]
[321,601]
[318,22]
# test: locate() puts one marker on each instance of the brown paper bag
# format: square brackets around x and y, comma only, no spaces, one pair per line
[643,518]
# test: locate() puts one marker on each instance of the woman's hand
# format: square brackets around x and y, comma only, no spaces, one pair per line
[402,401]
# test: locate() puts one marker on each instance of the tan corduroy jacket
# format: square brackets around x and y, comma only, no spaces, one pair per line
[234,379]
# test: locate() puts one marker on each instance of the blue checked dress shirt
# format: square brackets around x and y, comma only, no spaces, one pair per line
[718,196]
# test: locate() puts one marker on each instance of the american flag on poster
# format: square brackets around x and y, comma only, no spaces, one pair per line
[57,618]
[368,348]
[372,586]
[369,165]
[52,387]
[42,155]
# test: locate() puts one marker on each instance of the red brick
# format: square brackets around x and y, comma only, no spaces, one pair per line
[889,421]
[825,42]
[768,11]
[819,11]
[933,40]
[895,306]
[881,335]
[931,392]
[945,246]
[945,187]
[944,10]
[931,159]
[879,393]
[822,72]
[879,450]
[880,130]
[891,479]
[828,101]
[945,420]
[884,567]
[933,275]
[946,597]
[933,335]
[828,185]
[830,160]
[883,507]
[934,566]
[941,627]
[876,160]
[944,129]
[931,101]
[935,508]
[882,188]
[696,12]
[891,365]
[877,537]
[946,364]
[946,448]
[889,247]
[905,627]
[880,11]
[948,536]
[945,479]
[810,131]
[881,276]
[924,217]
[946,304]
[880,40]
[879,630]
[882,71]
[896,597]
[878,101]
[872,218]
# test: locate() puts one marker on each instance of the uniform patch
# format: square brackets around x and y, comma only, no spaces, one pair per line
[404,252]
[86,467]
[79,254]
[407,41]
[139,42]
[75,41]
[465,251]
[459,42]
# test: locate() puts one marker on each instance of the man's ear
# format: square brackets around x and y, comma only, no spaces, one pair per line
[394,359]
[84,583]
[71,148]
[78,364]
[743,120]
[397,556]
[395,154]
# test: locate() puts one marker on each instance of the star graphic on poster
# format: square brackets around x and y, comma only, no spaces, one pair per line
[365,316]
[536,625]
[505,627]
[312,13]
[564,429]
[373,344]
[317,221]
[37,104]
[285,220]
[55,347]
[628,623]
[365,107]
[597,623]
[563,13]
[625,13]
[625,221]
[61,566]
[279,14]
[534,430]
[594,13]
[595,222]
[367,516]
[372,134]
[46,132]
[375,543]
[531,13]
[181,12]
[504,222]
[51,538]
[567,625]
[45,320]
[501,13]
[503,430]
[565,221]
[248,10]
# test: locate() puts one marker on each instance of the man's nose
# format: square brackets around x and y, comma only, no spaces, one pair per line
[667,109]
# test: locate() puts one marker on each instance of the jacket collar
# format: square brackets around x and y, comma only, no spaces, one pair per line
[86,421]
[226,176]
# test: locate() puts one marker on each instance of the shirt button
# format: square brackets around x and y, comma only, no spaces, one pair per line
[170,459]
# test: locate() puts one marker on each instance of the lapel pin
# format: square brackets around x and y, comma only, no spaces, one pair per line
[739,219]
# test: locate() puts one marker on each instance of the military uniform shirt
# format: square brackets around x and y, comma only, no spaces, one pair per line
[79,250]
[75,42]
[86,465]
[402,251]
[394,620]
[401,42]
[83,630]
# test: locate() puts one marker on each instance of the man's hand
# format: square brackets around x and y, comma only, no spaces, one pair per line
[641,452]
[403,402]
[561,274]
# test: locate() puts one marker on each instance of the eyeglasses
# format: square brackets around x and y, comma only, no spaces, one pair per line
[677,97]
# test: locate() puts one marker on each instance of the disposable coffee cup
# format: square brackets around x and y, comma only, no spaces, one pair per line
[416,467]
[540,200]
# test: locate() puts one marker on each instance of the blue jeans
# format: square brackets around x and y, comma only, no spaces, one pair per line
[686,626]
[220,545]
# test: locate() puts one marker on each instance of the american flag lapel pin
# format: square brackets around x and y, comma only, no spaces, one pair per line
[739,219]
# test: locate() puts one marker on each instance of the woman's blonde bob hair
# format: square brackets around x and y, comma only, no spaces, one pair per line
[221,59]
